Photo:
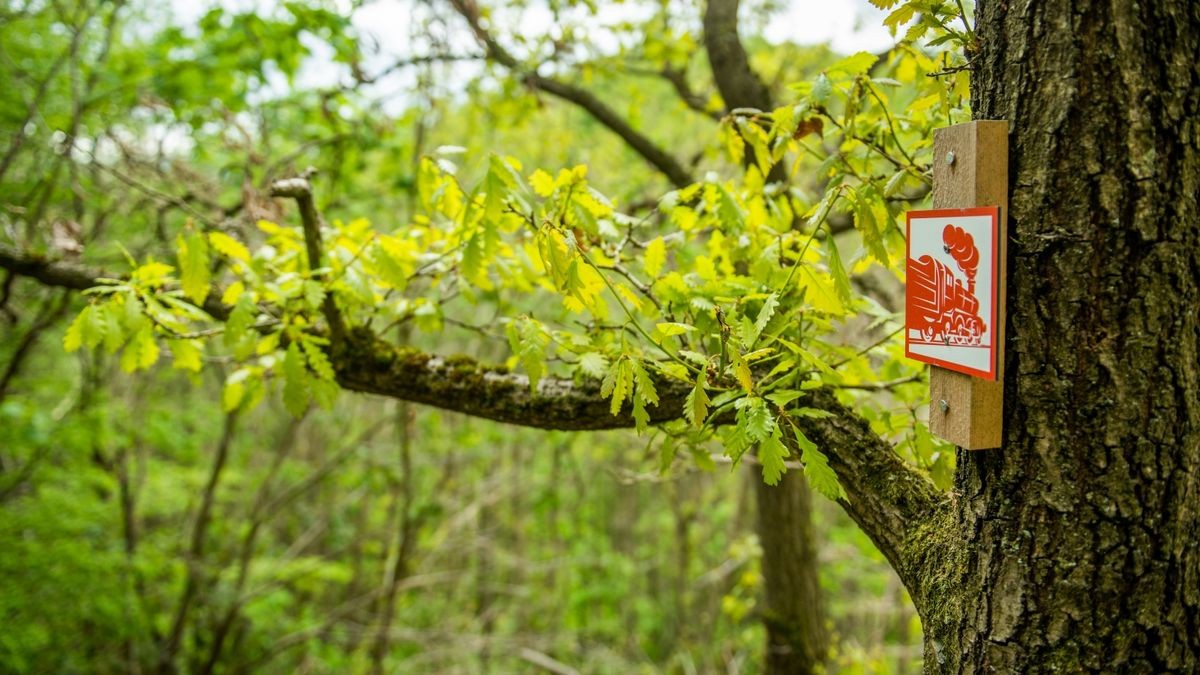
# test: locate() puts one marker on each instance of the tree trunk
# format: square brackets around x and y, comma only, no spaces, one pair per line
[1075,547]
[796,637]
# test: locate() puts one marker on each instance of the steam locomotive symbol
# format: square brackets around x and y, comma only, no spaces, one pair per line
[941,307]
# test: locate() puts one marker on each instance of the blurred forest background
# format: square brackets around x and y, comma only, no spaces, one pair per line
[139,516]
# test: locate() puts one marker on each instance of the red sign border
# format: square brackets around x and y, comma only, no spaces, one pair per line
[994,212]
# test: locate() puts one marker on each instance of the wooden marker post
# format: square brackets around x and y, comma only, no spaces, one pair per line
[971,169]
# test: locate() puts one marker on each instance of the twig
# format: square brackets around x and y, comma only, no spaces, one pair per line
[300,189]
[880,386]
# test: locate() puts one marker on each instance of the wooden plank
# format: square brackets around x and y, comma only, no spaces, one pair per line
[971,169]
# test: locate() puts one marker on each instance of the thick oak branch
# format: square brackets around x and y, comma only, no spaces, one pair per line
[739,85]
[886,497]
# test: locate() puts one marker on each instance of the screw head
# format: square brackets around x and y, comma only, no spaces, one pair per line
[943,405]
[950,158]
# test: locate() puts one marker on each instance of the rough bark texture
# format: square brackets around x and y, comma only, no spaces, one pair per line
[367,364]
[1075,548]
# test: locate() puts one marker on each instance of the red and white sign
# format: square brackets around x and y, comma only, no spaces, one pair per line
[951,298]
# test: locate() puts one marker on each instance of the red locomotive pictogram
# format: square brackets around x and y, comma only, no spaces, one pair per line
[940,306]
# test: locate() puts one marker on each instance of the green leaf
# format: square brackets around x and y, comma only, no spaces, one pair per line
[771,455]
[841,282]
[815,362]
[195,276]
[542,182]
[695,408]
[594,364]
[186,354]
[669,329]
[866,223]
[641,419]
[152,274]
[237,327]
[899,17]
[498,185]
[318,361]
[754,419]
[324,392]
[821,211]
[528,341]
[728,211]
[821,90]
[816,468]
[813,413]
[314,294]
[141,352]
[735,145]
[77,332]
[235,389]
[666,455]
[784,397]
[113,333]
[645,385]
[655,257]
[703,461]
[228,246]
[855,64]
[741,371]
[585,220]
[760,323]
[474,262]
[618,383]
[296,392]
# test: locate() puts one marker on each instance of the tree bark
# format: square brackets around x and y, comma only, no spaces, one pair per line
[1075,547]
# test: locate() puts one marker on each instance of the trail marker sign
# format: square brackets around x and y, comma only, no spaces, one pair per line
[966,389]
[951,304]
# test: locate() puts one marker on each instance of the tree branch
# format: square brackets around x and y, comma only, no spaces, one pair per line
[462,384]
[677,78]
[886,497]
[657,157]
[739,85]
[300,189]
[61,274]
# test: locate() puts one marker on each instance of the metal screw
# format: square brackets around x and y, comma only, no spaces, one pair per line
[944,406]
[950,158]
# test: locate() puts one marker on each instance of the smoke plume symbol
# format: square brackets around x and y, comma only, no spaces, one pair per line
[961,246]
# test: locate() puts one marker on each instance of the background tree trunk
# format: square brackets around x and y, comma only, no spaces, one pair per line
[796,638]
[1075,548]
[791,607]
